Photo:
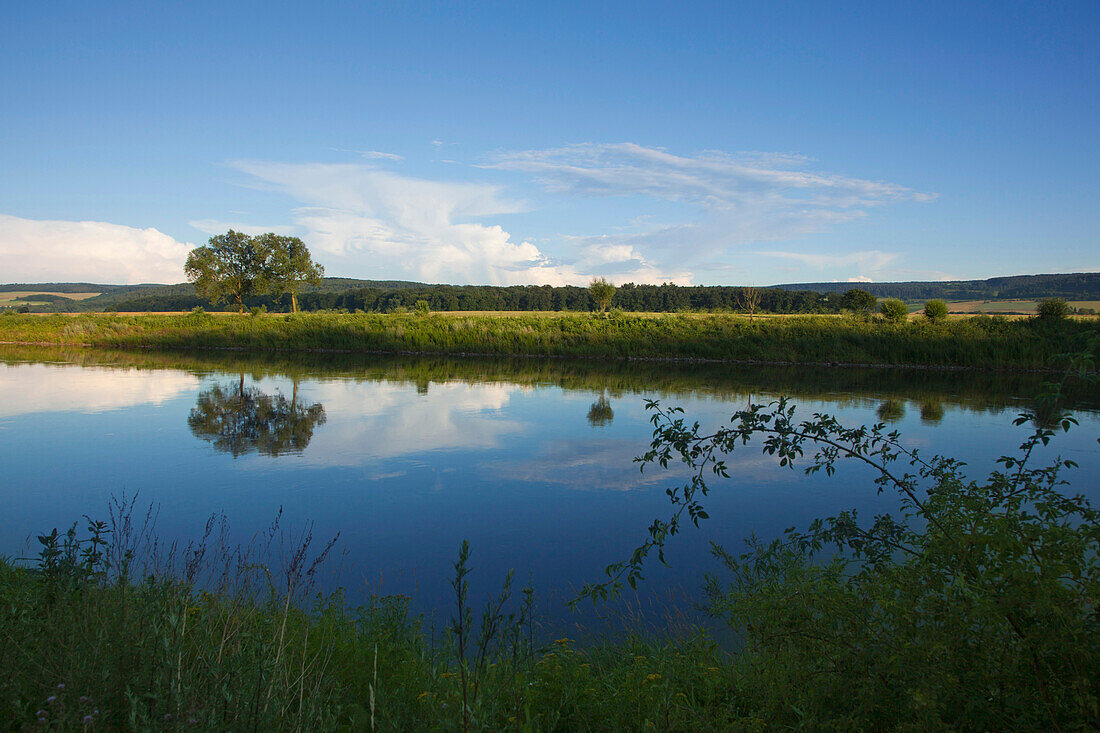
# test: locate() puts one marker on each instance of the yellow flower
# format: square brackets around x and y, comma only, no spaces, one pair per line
[653,677]
[422,695]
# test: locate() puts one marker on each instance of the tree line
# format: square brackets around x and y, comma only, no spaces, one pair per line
[629,297]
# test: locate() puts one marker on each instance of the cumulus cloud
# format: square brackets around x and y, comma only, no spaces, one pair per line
[377,223]
[88,251]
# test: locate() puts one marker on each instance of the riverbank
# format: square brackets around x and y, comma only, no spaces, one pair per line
[979,342]
[81,654]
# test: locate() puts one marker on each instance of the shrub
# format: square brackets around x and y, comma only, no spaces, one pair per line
[1053,308]
[935,310]
[421,307]
[894,310]
[977,595]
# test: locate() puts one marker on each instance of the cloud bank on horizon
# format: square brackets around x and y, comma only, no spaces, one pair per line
[365,220]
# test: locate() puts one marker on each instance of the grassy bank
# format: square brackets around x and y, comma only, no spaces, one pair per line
[231,645]
[975,342]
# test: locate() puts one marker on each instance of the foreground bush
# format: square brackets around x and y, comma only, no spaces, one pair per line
[976,608]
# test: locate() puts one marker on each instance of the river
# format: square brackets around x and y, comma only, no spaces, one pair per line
[403,458]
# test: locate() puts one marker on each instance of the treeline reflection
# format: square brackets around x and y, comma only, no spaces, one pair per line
[891,391]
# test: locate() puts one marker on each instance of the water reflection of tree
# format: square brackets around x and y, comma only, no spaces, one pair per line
[238,420]
[891,410]
[931,412]
[600,413]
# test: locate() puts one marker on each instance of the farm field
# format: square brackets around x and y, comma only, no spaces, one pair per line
[23,297]
[1026,307]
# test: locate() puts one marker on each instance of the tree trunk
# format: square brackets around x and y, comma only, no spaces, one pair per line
[293,302]
[240,304]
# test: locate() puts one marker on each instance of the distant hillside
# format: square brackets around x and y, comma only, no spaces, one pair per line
[182,296]
[338,293]
[66,287]
[1071,286]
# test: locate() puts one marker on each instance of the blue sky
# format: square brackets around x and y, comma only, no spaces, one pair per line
[702,143]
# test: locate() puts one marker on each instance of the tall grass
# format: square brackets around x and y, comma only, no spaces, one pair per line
[109,630]
[980,341]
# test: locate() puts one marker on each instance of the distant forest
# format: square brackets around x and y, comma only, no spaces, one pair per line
[390,295]
[1071,286]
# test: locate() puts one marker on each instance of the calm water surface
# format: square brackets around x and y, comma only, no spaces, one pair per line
[531,461]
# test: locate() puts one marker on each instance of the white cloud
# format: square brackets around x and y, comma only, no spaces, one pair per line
[370,222]
[88,251]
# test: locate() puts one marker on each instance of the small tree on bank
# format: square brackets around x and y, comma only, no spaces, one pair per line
[602,291]
[935,310]
[1052,309]
[858,301]
[748,300]
[895,310]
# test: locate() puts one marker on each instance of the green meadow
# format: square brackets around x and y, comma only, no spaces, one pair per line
[980,341]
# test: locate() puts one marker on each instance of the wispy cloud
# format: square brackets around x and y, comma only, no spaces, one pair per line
[729,200]
[371,154]
[90,251]
[711,180]
[867,261]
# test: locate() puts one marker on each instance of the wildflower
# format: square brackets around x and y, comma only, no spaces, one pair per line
[87,720]
[51,699]
[84,699]
[41,714]
[422,695]
[60,686]
[653,677]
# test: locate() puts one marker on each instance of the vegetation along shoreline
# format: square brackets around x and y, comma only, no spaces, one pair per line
[861,341]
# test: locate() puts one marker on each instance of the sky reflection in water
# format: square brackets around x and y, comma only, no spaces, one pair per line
[405,459]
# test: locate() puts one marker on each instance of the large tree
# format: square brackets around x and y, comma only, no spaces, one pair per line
[232,267]
[289,265]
